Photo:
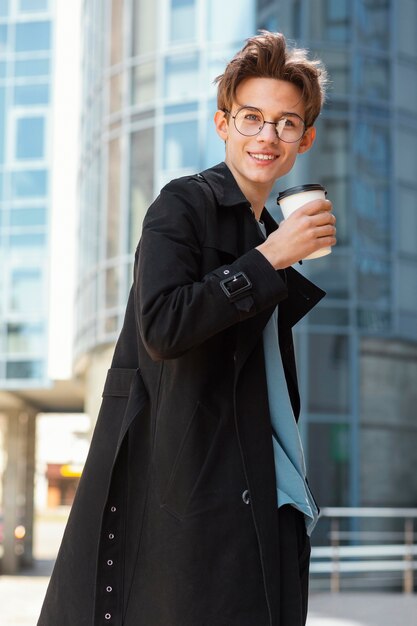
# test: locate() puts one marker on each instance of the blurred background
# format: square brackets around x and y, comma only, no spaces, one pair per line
[104,101]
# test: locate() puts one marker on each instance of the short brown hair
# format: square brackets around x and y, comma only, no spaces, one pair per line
[267,55]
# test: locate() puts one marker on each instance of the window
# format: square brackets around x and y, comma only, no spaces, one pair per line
[113,198]
[143,77]
[144,33]
[405,155]
[372,148]
[27,240]
[141,180]
[3,38]
[180,145]
[4,8]
[407,221]
[328,373]
[26,290]
[331,170]
[33,6]
[331,20]
[31,94]
[32,67]
[182,77]
[24,370]
[33,36]
[372,77]
[230,21]
[28,216]
[373,278]
[2,120]
[371,202]
[374,23]
[328,466]
[407,283]
[332,274]
[183,21]
[29,183]
[30,138]
[25,338]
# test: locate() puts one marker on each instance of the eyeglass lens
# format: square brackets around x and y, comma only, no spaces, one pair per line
[250,121]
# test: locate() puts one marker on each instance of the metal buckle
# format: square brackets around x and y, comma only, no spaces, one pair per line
[235,285]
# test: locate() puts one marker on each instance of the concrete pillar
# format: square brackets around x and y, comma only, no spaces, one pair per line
[18,484]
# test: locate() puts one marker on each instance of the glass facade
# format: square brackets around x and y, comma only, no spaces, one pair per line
[149,120]
[26,41]
[366,156]
[147,117]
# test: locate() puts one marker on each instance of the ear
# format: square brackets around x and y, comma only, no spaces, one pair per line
[307,140]
[221,124]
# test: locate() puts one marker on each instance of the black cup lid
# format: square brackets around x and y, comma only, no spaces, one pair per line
[299,189]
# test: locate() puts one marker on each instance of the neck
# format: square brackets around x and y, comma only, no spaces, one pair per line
[255,193]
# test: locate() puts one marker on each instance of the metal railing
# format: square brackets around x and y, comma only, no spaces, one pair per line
[356,551]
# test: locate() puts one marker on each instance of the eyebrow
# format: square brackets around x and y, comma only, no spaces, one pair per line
[252,106]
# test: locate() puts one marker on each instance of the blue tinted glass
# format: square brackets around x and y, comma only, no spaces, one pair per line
[33,5]
[29,183]
[24,369]
[31,94]
[25,338]
[27,240]
[29,216]
[3,37]
[181,76]
[25,289]
[179,145]
[183,14]
[372,148]
[32,67]
[30,138]
[33,36]
[188,107]
[3,68]
[4,8]
[2,117]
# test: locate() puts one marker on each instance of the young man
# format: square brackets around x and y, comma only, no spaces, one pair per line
[194,508]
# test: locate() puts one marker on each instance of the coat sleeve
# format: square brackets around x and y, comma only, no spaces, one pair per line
[177,309]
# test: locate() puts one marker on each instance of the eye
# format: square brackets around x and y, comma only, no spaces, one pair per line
[253,117]
[288,122]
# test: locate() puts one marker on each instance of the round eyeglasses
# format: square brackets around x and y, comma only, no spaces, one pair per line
[249,121]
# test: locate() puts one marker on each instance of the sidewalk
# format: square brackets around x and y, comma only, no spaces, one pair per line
[21,598]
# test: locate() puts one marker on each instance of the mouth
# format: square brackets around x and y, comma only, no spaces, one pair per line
[263,156]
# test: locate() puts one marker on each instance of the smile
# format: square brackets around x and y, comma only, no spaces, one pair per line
[263,157]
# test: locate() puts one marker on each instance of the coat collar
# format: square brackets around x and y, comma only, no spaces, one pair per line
[224,186]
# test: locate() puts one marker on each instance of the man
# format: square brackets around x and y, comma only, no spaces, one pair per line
[194,507]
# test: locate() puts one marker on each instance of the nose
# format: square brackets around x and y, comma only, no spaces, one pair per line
[268,133]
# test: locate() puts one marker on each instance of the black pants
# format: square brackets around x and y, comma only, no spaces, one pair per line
[294,566]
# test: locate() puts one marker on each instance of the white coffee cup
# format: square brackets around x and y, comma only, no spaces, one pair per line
[291,199]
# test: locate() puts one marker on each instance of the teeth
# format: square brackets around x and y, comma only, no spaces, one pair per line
[263,157]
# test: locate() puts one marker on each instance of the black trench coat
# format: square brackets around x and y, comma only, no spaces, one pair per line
[174,522]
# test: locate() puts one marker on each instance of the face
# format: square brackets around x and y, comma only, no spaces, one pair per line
[258,161]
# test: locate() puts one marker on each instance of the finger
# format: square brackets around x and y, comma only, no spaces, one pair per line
[325,231]
[323,218]
[316,206]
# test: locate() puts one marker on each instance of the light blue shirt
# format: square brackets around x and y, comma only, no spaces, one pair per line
[290,468]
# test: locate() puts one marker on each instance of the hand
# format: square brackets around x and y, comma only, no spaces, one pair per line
[308,229]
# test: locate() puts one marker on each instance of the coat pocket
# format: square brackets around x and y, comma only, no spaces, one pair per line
[191,460]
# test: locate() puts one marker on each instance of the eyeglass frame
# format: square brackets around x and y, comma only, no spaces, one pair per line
[246,106]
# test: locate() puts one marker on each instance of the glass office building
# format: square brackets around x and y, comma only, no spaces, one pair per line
[147,117]
[26,41]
